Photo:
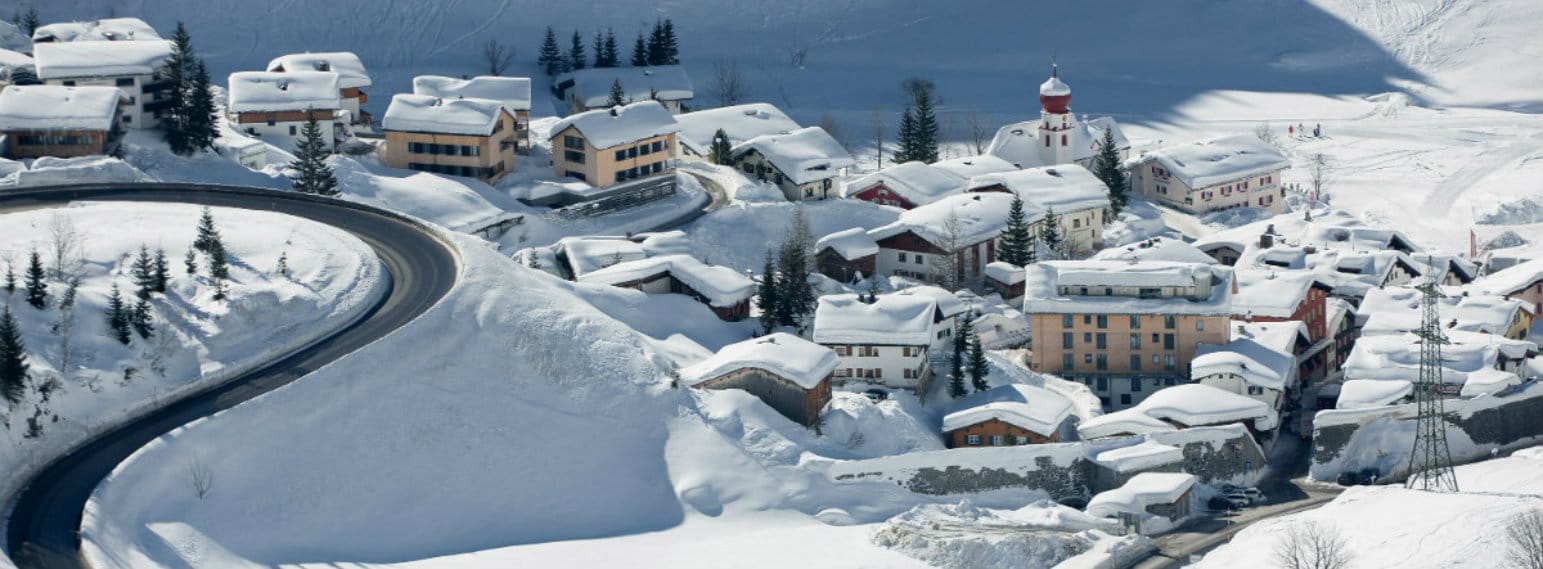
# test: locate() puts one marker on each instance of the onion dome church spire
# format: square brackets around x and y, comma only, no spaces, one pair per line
[1054,95]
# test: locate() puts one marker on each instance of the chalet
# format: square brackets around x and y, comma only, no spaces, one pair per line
[48,120]
[1247,367]
[1522,282]
[1271,295]
[589,89]
[352,78]
[1077,197]
[846,255]
[1005,416]
[790,374]
[105,29]
[1213,175]
[1156,502]
[1006,279]
[724,290]
[1059,136]
[610,146]
[1468,361]
[958,233]
[467,137]
[739,123]
[881,340]
[1124,329]
[804,164]
[1368,393]
[905,186]
[1182,407]
[945,320]
[264,103]
[131,66]
[512,92]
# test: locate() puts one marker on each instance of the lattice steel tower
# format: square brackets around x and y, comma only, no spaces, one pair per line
[1430,465]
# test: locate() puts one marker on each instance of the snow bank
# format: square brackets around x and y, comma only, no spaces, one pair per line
[964,536]
[49,171]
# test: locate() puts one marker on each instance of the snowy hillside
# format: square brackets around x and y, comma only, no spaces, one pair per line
[196,339]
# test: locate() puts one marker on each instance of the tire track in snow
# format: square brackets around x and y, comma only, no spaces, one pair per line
[1445,194]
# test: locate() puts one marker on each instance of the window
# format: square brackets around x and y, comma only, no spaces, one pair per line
[749,169]
[1199,325]
[1087,358]
[1022,440]
[273,119]
[573,156]
[1135,385]
[1135,362]
[72,84]
[621,175]
[1102,341]
[124,82]
[1168,341]
[1047,141]
[291,130]
[1087,337]
[1103,384]
[902,256]
[1168,362]
[1066,362]
[1076,223]
[1156,360]
[1063,140]
[1135,341]
[1171,381]
[998,440]
[575,175]
[1125,399]
[574,142]
[1087,318]
[1156,338]
[1066,340]
[1135,322]
[1255,390]
[972,440]
[621,155]
[1066,319]
[1103,321]
[1101,363]
[658,167]
[808,192]
[632,152]
[918,258]
[658,146]
[1170,322]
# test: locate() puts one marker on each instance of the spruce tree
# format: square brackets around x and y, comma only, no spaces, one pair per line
[141,319]
[13,358]
[208,234]
[612,55]
[10,279]
[956,366]
[551,58]
[1050,232]
[905,141]
[1106,165]
[1017,237]
[669,48]
[118,319]
[282,266]
[618,97]
[656,44]
[30,23]
[639,52]
[219,271]
[767,298]
[36,281]
[576,55]
[924,136]
[313,175]
[976,363]
[599,48]
[199,116]
[720,150]
[143,273]
[190,262]
[162,271]
[176,72]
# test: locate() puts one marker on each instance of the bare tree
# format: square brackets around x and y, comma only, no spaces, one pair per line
[202,477]
[64,327]
[947,265]
[728,84]
[1267,134]
[65,244]
[1524,540]
[832,127]
[497,57]
[878,137]
[980,134]
[915,86]
[1308,545]
[1320,171]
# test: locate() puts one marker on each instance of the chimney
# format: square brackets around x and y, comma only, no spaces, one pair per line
[1267,239]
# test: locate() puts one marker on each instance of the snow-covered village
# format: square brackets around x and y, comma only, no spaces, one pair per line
[795,284]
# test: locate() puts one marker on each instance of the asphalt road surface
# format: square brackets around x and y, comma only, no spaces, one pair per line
[45,520]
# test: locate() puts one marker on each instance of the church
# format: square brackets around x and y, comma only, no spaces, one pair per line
[1058,137]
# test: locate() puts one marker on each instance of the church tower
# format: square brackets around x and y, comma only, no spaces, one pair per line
[1056,120]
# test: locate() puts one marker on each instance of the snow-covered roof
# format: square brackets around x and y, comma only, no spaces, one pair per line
[917,182]
[265,91]
[949,305]
[1190,405]
[805,155]
[1035,409]
[1256,363]
[1332,229]
[892,319]
[790,357]
[428,113]
[663,83]
[1042,282]
[1283,336]
[590,253]
[1397,356]
[1213,161]
[1394,310]
[607,128]
[659,243]
[106,29]
[981,217]
[1489,381]
[39,107]
[851,243]
[722,286]
[512,92]
[1271,293]
[970,166]
[56,60]
[1140,456]
[1511,280]
[1065,188]
[1054,87]
[1156,249]
[1019,143]
[739,123]
[350,70]
[1145,489]
[1004,272]
[1364,393]
[10,61]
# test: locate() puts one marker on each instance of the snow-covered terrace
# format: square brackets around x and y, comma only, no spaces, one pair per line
[1043,281]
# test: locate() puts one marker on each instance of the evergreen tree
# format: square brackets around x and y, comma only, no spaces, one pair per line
[199,115]
[719,151]
[767,298]
[551,57]
[924,135]
[30,22]
[282,266]
[796,297]
[639,52]
[118,319]
[313,175]
[905,141]
[13,358]
[656,44]
[1017,237]
[599,48]
[162,271]
[618,97]
[190,262]
[976,363]
[1050,232]
[36,282]
[1106,165]
[10,279]
[956,366]
[612,56]
[143,273]
[576,52]
[873,289]
[219,271]
[669,48]
[141,320]
[208,234]
[176,72]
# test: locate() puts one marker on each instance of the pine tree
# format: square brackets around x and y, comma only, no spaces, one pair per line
[656,44]
[1017,237]
[143,273]
[976,363]
[30,22]
[176,72]
[199,117]
[618,97]
[924,136]
[13,358]
[219,271]
[796,297]
[669,48]
[905,142]
[208,234]
[767,297]
[118,319]
[10,279]
[282,266]
[599,48]
[313,175]
[1106,165]
[576,56]
[873,289]
[162,271]
[36,281]
[956,366]
[141,319]
[639,52]
[551,58]
[190,262]
[612,56]
[719,151]
[1050,232]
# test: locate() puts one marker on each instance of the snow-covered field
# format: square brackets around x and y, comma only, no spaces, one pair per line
[333,278]
[1388,526]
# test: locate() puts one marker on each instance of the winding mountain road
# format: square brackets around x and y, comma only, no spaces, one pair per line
[422,268]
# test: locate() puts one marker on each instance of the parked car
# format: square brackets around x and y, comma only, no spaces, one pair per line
[1250,493]
[1363,477]
[1226,503]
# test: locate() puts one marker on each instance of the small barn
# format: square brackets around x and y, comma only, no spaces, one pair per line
[1005,416]
[790,374]
[846,255]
